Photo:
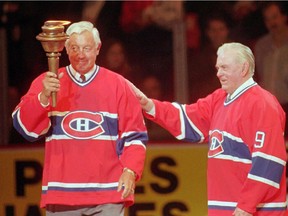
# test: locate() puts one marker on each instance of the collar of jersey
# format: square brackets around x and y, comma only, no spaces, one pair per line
[239,91]
[91,74]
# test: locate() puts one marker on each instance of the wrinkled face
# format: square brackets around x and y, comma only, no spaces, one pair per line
[274,19]
[229,72]
[82,51]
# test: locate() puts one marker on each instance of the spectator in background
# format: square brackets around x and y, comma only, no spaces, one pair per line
[152,88]
[193,32]
[147,26]
[201,63]
[247,22]
[105,15]
[138,15]
[271,53]
[115,58]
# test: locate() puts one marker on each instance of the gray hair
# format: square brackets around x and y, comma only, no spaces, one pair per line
[243,54]
[79,27]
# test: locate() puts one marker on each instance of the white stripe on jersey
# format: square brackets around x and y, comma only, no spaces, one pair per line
[261,205]
[57,113]
[28,133]
[183,135]
[235,159]
[135,142]
[80,185]
[232,137]
[269,157]
[63,137]
[263,180]
[221,203]
[272,205]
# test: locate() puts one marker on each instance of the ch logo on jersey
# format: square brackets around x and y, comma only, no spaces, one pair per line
[216,140]
[83,124]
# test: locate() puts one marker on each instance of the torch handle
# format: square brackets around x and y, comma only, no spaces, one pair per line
[53,41]
[53,64]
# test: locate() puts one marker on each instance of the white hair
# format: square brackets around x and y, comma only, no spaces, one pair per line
[243,54]
[79,27]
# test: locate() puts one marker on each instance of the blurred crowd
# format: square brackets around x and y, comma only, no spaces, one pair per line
[137,42]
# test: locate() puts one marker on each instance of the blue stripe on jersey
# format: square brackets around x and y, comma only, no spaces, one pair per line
[29,136]
[190,131]
[191,134]
[216,207]
[134,136]
[267,169]
[220,205]
[235,149]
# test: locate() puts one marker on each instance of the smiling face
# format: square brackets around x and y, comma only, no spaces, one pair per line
[231,73]
[82,51]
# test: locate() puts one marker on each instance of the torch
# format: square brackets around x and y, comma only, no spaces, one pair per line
[53,40]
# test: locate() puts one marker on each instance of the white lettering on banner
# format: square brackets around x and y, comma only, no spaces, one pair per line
[173,181]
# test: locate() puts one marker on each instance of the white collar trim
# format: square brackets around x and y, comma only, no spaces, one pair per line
[240,90]
[76,76]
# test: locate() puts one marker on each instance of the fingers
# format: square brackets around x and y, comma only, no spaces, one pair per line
[145,102]
[51,83]
[127,184]
[139,94]
[127,190]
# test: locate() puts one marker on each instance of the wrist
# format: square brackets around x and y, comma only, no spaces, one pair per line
[149,105]
[130,171]
[43,99]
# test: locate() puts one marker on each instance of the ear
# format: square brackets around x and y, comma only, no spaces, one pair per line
[98,48]
[245,69]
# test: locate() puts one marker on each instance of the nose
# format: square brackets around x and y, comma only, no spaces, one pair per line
[218,73]
[81,53]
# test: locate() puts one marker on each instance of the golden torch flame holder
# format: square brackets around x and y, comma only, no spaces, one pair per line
[53,40]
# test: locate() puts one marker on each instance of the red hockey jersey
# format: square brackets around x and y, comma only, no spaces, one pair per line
[247,154]
[95,131]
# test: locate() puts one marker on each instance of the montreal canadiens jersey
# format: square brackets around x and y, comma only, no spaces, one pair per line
[95,130]
[247,154]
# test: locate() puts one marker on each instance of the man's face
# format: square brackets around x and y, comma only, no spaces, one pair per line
[274,19]
[229,72]
[217,32]
[115,57]
[82,51]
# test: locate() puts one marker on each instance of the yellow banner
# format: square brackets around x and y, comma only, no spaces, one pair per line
[173,182]
[20,181]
